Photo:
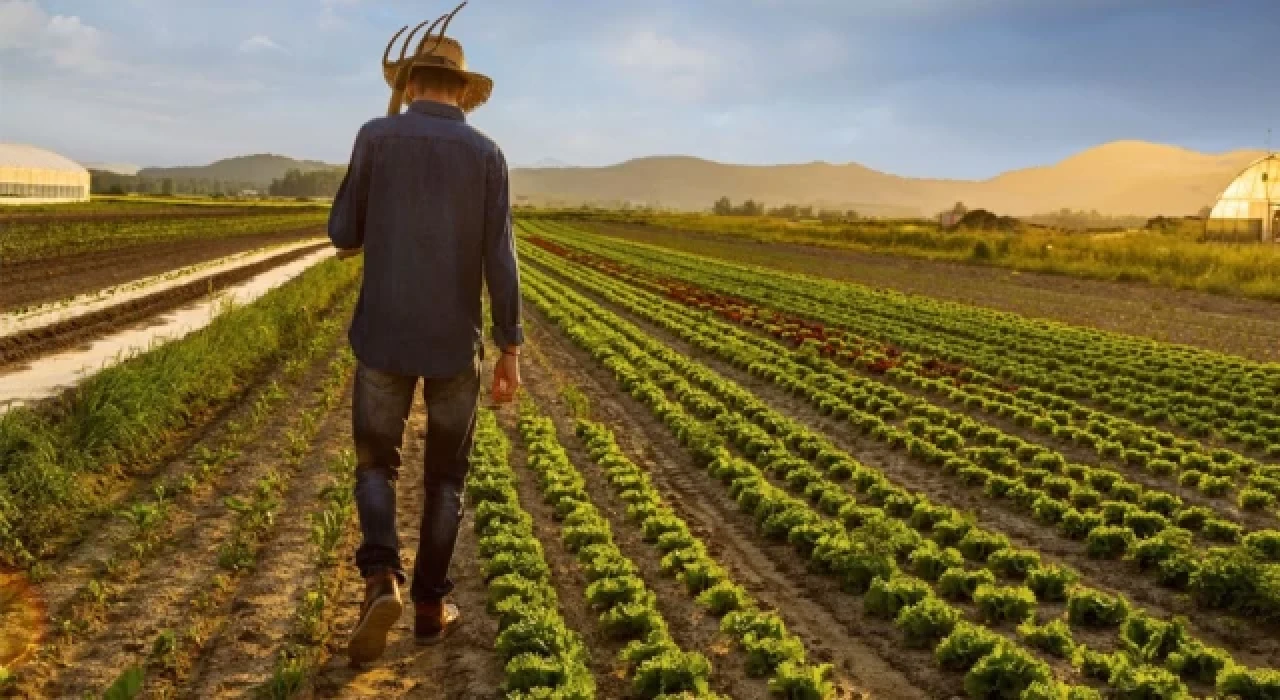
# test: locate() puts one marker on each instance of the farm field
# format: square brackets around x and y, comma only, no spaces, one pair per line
[1219,322]
[67,250]
[722,482]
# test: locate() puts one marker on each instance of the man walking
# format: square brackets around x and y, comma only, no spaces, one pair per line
[426,200]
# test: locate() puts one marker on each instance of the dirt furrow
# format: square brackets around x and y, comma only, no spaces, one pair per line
[464,666]
[831,623]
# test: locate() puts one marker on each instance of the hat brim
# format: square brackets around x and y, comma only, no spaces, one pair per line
[479,86]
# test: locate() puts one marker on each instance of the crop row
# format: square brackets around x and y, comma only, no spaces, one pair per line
[952,428]
[57,461]
[1114,438]
[1112,528]
[872,555]
[981,341]
[762,636]
[944,525]
[542,656]
[628,608]
[1145,360]
[298,659]
[1215,473]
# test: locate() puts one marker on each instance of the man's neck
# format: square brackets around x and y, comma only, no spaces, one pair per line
[447,100]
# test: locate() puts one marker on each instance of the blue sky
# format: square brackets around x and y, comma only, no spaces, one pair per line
[943,88]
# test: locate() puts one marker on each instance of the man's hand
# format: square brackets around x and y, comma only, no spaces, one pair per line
[506,375]
[344,253]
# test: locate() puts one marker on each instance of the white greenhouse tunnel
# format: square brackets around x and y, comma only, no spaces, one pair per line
[1249,207]
[30,175]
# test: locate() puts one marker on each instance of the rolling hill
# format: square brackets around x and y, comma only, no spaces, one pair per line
[257,170]
[1119,178]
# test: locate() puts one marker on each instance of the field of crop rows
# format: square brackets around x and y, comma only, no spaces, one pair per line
[721,482]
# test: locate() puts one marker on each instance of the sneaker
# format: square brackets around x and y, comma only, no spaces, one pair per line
[381,610]
[434,620]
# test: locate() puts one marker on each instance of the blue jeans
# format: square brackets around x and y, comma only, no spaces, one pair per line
[380,411]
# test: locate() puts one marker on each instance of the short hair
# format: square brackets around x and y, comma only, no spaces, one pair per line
[432,79]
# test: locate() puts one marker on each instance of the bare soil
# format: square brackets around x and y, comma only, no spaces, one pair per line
[1246,327]
[14,215]
[30,282]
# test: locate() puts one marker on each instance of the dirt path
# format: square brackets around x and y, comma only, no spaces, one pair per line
[1246,327]
[832,624]
[465,666]
[30,282]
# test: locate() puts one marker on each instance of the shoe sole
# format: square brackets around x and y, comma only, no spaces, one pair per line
[369,640]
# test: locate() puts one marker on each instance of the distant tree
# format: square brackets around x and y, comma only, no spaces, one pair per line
[723,207]
[1205,212]
[317,183]
[166,187]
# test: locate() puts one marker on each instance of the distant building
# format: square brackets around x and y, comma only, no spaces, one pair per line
[950,218]
[1249,208]
[30,175]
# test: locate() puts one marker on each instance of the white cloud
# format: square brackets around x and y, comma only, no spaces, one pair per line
[259,43]
[20,24]
[64,40]
[667,67]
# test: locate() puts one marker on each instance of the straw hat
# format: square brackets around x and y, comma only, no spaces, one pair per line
[433,51]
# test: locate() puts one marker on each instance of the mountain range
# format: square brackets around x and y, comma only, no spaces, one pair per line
[1118,178]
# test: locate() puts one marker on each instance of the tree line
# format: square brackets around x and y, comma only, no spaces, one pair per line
[316,183]
[725,207]
[103,182]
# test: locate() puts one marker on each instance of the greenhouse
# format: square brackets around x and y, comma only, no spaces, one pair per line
[30,175]
[1249,208]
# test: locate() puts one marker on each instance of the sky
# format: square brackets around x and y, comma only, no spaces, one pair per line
[936,88]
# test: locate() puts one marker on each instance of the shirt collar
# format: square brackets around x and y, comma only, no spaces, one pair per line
[437,109]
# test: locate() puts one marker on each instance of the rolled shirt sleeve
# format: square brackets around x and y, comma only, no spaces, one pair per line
[350,206]
[502,274]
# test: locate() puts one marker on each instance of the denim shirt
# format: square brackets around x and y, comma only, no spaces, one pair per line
[427,197]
